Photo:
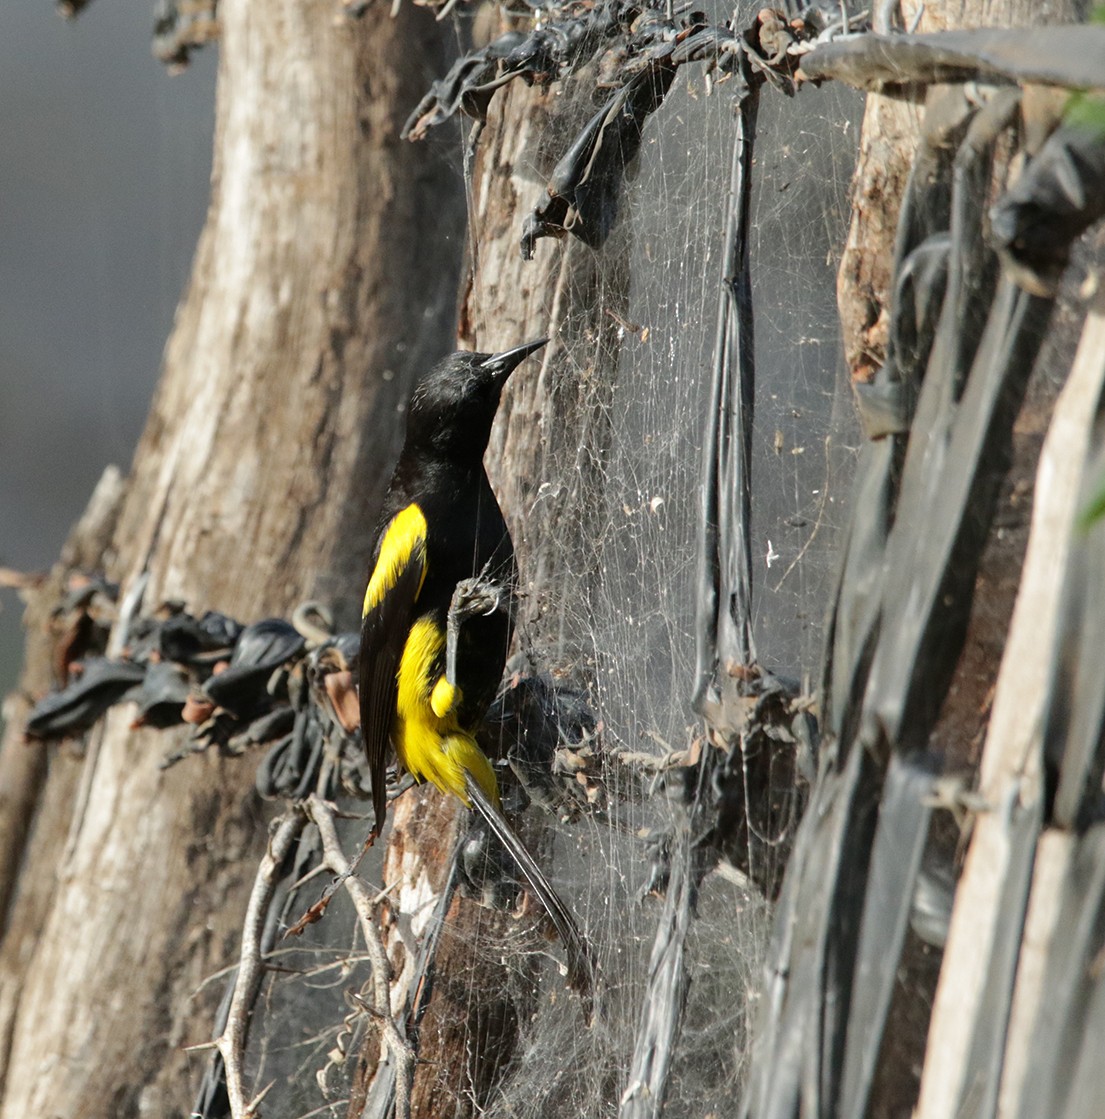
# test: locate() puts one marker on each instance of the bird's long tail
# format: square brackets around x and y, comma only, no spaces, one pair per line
[580,968]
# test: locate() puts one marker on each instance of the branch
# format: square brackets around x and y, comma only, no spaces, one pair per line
[231,1043]
[365,904]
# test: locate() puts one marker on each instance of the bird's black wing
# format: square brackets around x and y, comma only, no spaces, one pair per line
[389,609]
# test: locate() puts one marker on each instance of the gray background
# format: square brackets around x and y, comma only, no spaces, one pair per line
[104,177]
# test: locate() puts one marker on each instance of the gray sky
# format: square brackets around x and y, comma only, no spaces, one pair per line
[104,170]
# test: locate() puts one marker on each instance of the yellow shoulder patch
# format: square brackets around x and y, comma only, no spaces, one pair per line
[404,539]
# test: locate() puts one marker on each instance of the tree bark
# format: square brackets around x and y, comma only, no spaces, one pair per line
[553,427]
[551,415]
[324,281]
[888,144]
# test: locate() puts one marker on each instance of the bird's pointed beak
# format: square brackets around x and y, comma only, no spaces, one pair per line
[506,362]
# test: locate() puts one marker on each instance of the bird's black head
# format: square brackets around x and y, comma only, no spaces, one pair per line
[454,404]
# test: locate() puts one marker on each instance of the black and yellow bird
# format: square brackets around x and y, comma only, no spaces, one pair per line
[442,527]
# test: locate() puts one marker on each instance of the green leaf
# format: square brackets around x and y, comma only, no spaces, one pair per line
[1094,511]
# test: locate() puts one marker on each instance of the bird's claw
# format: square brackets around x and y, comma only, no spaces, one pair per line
[476,597]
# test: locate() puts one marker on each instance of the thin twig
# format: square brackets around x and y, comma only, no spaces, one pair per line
[365,905]
[231,1043]
[817,524]
[21,580]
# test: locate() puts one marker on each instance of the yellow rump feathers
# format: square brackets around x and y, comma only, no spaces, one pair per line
[429,740]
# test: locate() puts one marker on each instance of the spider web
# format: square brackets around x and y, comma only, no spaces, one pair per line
[659,522]
[625,473]
[622,619]
[677,976]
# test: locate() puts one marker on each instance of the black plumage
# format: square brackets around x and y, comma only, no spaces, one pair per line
[443,566]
